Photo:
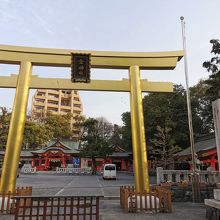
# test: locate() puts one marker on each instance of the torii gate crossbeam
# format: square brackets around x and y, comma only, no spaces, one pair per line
[95,85]
[27,57]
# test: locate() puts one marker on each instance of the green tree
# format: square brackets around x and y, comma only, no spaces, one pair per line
[126,141]
[38,133]
[5,117]
[167,110]
[96,140]
[170,110]
[35,135]
[200,103]
[116,137]
[214,64]
[78,126]
[58,125]
[213,82]
[163,148]
[52,126]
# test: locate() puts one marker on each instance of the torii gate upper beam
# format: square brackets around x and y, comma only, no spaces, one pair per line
[99,59]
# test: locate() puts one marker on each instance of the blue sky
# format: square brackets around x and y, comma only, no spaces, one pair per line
[116,25]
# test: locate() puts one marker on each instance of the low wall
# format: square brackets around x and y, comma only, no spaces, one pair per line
[67,170]
[184,193]
[175,176]
[28,170]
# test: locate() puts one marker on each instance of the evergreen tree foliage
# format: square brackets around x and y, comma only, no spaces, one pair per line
[35,135]
[163,148]
[116,138]
[126,131]
[5,117]
[213,82]
[38,133]
[96,138]
[58,125]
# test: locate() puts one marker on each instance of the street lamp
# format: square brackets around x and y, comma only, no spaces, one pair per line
[195,186]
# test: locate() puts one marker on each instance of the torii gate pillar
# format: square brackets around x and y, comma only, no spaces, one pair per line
[138,132]
[16,129]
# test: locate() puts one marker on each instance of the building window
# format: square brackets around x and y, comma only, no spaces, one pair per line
[52,102]
[65,102]
[77,105]
[66,110]
[39,100]
[53,96]
[39,107]
[41,93]
[77,112]
[52,109]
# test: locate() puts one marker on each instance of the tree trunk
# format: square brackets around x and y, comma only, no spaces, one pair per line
[93,166]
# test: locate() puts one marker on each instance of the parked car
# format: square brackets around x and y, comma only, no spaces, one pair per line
[109,171]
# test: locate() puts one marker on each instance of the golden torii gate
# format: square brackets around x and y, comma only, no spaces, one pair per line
[26,57]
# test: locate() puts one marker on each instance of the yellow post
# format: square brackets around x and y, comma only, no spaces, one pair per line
[138,133]
[15,135]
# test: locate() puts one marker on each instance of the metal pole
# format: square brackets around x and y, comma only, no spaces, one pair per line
[138,132]
[189,108]
[15,135]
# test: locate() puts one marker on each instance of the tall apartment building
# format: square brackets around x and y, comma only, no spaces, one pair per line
[57,102]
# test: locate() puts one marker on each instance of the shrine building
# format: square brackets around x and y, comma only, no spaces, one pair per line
[206,154]
[64,153]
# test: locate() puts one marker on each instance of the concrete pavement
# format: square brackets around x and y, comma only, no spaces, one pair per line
[109,208]
[74,185]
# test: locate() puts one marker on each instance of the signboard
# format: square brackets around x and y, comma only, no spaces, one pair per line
[205,154]
[76,161]
[80,67]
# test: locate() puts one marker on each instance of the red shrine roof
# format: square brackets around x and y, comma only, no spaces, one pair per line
[68,147]
[120,152]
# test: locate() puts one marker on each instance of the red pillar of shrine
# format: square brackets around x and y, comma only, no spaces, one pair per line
[33,162]
[122,165]
[63,162]
[213,162]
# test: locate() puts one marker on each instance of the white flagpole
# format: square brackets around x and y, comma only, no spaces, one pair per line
[193,153]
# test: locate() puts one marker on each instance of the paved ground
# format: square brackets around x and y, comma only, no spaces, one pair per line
[95,185]
[76,185]
[110,210]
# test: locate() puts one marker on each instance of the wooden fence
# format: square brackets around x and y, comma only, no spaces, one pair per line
[157,200]
[57,207]
[7,202]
